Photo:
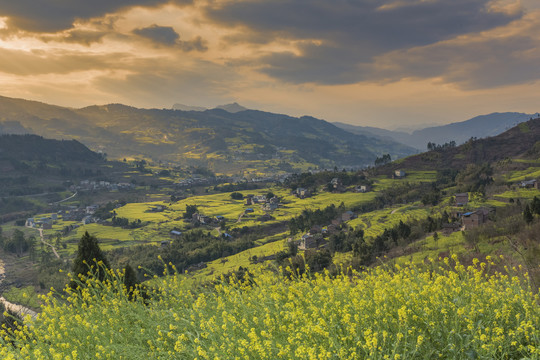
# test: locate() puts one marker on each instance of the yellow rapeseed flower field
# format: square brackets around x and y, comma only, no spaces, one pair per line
[441,310]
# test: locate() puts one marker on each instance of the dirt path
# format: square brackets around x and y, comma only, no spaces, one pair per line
[19,309]
[66,199]
[46,243]
[394,211]
[240,217]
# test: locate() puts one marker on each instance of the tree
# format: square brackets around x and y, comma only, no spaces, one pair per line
[130,280]
[527,214]
[190,210]
[88,254]
[237,196]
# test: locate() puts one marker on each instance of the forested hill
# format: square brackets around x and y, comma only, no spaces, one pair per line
[214,138]
[522,140]
[36,148]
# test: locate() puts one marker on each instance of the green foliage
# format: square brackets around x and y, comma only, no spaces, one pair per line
[474,178]
[190,210]
[237,196]
[88,254]
[527,214]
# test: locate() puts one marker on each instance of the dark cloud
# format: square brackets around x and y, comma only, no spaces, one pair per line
[160,34]
[54,15]
[342,37]
[167,36]
[477,63]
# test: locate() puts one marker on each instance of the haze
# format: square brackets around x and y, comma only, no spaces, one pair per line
[385,63]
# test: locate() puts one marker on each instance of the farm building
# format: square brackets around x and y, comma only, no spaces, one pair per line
[474,219]
[462,199]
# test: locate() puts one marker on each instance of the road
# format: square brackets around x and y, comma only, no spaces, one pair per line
[19,309]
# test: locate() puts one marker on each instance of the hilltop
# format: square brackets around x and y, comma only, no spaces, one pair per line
[478,127]
[217,139]
[515,142]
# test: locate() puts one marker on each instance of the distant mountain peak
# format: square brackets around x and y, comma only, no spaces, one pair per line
[188,107]
[232,108]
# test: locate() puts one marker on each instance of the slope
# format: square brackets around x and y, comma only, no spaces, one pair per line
[215,138]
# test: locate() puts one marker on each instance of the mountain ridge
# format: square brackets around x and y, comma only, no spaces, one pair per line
[214,138]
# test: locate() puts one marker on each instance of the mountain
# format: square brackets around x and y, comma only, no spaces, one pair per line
[27,148]
[518,141]
[478,127]
[187,107]
[232,108]
[218,139]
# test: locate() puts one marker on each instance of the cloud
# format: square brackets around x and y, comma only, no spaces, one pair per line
[83,37]
[53,16]
[504,56]
[160,34]
[38,62]
[338,40]
[167,36]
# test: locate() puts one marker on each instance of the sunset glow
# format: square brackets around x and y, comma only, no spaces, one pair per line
[378,64]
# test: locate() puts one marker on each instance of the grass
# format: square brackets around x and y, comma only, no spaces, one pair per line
[25,296]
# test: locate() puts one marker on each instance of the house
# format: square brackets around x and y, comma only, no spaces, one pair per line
[30,222]
[398,174]
[158,208]
[302,193]
[175,234]
[270,207]
[87,220]
[249,210]
[164,243]
[220,218]
[529,184]
[227,236]
[91,209]
[474,219]
[309,241]
[447,229]
[348,215]
[249,201]
[258,199]
[462,199]
[363,188]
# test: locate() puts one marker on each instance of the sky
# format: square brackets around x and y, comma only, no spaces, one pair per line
[384,63]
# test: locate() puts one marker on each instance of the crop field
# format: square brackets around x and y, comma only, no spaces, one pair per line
[374,223]
[438,310]
[520,193]
[214,269]
[527,174]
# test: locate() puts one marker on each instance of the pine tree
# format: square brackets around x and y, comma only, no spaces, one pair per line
[89,254]
[527,214]
[130,278]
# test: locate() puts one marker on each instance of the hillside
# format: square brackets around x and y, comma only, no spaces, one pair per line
[478,127]
[36,148]
[218,139]
[515,142]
